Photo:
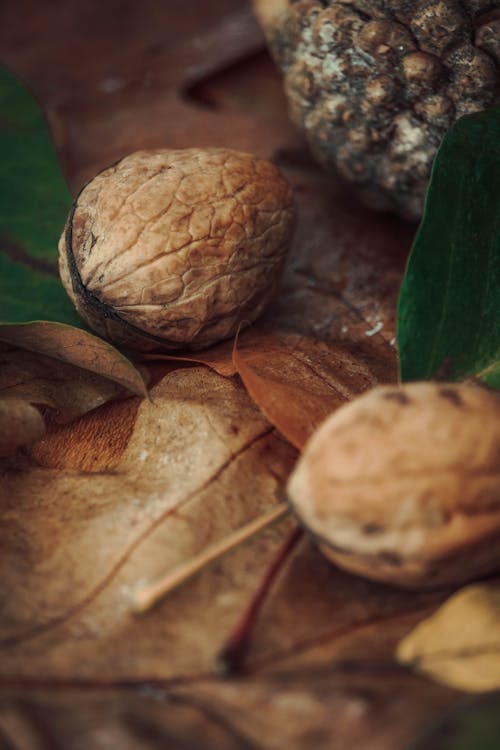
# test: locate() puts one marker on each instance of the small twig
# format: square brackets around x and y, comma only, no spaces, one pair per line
[147,597]
[231,657]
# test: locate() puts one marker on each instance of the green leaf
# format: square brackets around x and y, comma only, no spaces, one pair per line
[472,725]
[34,203]
[449,306]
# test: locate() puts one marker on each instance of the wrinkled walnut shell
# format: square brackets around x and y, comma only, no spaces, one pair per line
[403,484]
[172,249]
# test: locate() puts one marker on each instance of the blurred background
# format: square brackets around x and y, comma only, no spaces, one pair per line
[118,76]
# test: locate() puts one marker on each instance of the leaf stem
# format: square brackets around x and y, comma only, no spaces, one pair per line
[145,598]
[231,657]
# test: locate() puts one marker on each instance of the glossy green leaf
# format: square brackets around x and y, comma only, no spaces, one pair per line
[449,307]
[34,203]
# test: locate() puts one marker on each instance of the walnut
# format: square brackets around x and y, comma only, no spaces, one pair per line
[403,484]
[375,84]
[174,248]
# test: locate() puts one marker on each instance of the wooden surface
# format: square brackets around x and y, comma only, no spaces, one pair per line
[132,489]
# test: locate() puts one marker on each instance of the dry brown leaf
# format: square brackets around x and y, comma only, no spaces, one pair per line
[200,460]
[218,358]
[377,711]
[61,391]
[459,645]
[21,424]
[65,389]
[92,444]
[76,347]
[292,391]
[298,381]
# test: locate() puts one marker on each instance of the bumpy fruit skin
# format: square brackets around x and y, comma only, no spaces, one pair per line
[172,249]
[403,484]
[375,84]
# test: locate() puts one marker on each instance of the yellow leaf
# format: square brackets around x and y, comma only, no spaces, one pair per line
[459,645]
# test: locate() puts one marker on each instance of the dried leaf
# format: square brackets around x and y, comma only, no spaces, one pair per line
[20,425]
[65,389]
[298,381]
[459,645]
[199,461]
[64,392]
[218,358]
[375,711]
[294,380]
[76,347]
[93,444]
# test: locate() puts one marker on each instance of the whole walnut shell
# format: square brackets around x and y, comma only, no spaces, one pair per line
[375,84]
[172,249]
[403,484]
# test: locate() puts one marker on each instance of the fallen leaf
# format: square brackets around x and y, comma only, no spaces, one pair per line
[199,461]
[459,645]
[218,358]
[79,348]
[68,391]
[93,444]
[298,381]
[21,424]
[53,392]
[378,711]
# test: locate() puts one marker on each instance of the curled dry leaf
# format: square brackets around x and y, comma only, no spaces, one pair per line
[63,391]
[459,645]
[295,391]
[328,335]
[20,425]
[297,380]
[79,348]
[219,358]
[104,432]
[67,390]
